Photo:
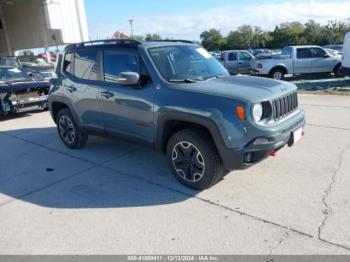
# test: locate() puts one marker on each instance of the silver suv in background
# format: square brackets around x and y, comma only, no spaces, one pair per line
[236,61]
[297,60]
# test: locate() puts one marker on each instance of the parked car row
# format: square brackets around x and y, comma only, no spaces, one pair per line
[291,60]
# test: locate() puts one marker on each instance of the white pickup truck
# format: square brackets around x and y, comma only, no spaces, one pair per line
[346,55]
[295,60]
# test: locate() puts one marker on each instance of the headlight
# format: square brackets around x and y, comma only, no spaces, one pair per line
[257,112]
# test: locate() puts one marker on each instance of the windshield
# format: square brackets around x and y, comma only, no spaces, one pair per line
[33,61]
[10,73]
[184,62]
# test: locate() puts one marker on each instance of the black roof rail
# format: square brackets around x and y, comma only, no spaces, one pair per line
[172,40]
[130,42]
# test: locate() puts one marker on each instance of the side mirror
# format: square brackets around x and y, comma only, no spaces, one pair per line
[128,78]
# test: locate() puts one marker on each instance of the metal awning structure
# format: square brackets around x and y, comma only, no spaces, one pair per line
[26,24]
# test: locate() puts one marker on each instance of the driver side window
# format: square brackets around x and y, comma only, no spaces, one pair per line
[317,52]
[244,56]
[116,62]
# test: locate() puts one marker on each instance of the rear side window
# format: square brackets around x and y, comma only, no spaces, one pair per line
[67,63]
[116,62]
[303,53]
[85,64]
[232,56]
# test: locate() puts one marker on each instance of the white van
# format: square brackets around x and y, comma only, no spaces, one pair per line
[346,55]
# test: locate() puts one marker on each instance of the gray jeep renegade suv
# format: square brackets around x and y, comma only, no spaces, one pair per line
[179,99]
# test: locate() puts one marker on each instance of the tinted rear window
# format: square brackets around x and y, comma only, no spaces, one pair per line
[232,56]
[303,53]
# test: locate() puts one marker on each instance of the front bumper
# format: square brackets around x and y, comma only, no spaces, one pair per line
[252,153]
[40,101]
[256,72]
[20,105]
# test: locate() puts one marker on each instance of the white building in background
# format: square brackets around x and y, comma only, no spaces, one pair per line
[26,24]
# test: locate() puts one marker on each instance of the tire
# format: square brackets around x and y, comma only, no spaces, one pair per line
[69,131]
[277,74]
[193,159]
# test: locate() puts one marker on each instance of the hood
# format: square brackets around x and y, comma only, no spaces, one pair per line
[249,88]
[21,84]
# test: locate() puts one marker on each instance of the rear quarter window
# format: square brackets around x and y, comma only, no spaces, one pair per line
[68,63]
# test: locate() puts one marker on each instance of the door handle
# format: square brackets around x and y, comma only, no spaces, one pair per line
[71,89]
[107,94]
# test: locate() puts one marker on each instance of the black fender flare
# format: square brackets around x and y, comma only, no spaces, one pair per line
[205,122]
[63,100]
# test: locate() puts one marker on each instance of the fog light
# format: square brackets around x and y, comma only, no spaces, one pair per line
[248,157]
[260,141]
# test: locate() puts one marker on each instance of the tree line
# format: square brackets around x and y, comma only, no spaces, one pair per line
[291,33]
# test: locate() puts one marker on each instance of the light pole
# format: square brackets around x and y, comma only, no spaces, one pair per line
[132,33]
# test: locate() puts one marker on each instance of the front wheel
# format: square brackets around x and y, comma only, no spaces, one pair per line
[68,130]
[193,159]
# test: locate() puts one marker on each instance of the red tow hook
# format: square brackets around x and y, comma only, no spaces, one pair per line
[273,153]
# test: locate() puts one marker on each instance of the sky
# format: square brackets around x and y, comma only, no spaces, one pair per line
[186,19]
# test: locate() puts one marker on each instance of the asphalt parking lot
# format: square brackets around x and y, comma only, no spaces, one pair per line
[113,197]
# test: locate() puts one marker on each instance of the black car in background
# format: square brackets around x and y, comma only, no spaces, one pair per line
[19,92]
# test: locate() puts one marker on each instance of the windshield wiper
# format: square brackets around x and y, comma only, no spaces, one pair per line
[186,80]
[212,77]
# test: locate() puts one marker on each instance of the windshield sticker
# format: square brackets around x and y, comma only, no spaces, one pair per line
[203,52]
[15,70]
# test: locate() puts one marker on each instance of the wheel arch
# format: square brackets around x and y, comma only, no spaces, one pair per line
[338,65]
[58,103]
[279,67]
[170,123]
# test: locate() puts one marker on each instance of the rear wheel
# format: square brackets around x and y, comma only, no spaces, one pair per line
[277,74]
[193,159]
[68,130]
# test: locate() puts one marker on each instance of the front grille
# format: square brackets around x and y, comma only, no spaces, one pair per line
[285,105]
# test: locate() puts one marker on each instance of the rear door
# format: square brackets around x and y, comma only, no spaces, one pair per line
[302,61]
[81,86]
[127,110]
[244,62]
[232,62]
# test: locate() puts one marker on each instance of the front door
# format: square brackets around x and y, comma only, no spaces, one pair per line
[321,62]
[128,110]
